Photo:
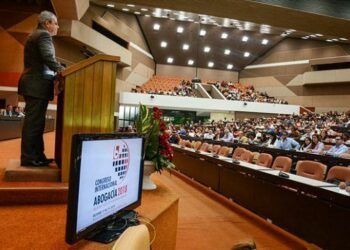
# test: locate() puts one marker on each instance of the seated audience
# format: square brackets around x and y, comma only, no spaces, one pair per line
[338,149]
[286,143]
[306,145]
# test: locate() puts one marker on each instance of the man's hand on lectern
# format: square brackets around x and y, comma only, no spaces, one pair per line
[58,83]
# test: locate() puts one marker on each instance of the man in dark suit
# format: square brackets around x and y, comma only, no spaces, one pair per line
[36,86]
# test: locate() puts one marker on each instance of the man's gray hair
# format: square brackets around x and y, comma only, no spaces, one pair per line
[45,16]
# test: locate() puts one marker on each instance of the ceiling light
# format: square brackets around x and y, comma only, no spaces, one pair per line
[210,64]
[170,60]
[202,32]
[343,39]
[290,31]
[144,9]
[312,35]
[137,13]
[224,35]
[156,26]
[190,62]
[335,40]
[245,38]
[264,41]
[246,54]
[185,46]
[147,15]
[206,49]
[180,29]
[305,37]
[110,5]
[163,44]
[319,35]
[125,9]
[229,66]
[227,52]
[329,40]
[130,5]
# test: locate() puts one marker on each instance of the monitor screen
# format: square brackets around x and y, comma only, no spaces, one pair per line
[105,178]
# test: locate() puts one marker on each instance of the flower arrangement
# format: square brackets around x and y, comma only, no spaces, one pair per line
[157,147]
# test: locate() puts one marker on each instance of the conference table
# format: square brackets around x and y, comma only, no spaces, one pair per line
[314,210]
[11,127]
[329,161]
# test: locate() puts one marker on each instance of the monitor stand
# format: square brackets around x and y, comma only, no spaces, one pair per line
[113,230]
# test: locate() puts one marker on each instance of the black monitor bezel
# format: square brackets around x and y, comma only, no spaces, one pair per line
[72,207]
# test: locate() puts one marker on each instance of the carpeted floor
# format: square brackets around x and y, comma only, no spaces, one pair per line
[203,223]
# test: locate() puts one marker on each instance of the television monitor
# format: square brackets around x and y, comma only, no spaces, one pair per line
[105,180]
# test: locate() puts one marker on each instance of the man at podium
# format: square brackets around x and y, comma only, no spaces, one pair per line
[36,86]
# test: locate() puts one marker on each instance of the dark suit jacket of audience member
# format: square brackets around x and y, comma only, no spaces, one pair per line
[39,60]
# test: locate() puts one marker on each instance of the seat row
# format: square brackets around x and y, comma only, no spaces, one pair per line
[309,169]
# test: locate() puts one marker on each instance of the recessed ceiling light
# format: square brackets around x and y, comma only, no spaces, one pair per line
[245,38]
[224,35]
[156,26]
[110,5]
[180,29]
[170,60]
[144,9]
[305,37]
[163,44]
[185,46]
[147,15]
[343,39]
[227,52]
[130,5]
[312,35]
[335,40]
[229,66]
[137,13]
[190,62]
[206,49]
[125,9]
[318,34]
[264,41]
[290,31]
[210,64]
[246,54]
[329,40]
[202,32]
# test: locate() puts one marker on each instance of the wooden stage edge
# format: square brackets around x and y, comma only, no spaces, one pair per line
[245,212]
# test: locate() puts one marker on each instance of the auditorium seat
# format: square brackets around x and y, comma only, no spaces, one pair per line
[204,147]
[224,151]
[264,160]
[282,163]
[340,173]
[311,169]
[237,153]
[215,149]
[197,145]
[133,238]
[182,142]
[247,156]
[188,144]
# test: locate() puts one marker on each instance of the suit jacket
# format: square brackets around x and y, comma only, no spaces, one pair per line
[39,65]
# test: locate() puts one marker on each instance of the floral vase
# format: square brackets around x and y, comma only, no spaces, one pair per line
[148,169]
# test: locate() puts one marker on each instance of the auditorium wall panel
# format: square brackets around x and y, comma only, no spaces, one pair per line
[190,72]
[285,81]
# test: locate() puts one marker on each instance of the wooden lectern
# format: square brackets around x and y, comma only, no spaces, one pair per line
[86,105]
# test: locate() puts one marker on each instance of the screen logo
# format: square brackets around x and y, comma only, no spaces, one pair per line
[121,159]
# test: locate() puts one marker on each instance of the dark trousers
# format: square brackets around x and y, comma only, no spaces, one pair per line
[32,147]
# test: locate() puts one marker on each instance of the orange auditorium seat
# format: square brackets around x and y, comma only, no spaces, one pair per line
[264,160]
[237,153]
[204,147]
[340,173]
[282,163]
[197,145]
[247,156]
[224,151]
[215,149]
[311,169]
